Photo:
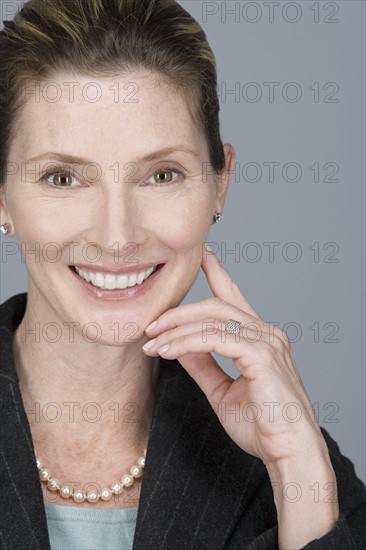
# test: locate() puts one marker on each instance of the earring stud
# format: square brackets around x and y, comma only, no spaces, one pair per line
[217,217]
[4,228]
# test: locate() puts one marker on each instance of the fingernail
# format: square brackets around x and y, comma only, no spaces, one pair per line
[163,349]
[151,326]
[149,344]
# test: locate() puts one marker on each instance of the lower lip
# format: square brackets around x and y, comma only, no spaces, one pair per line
[120,293]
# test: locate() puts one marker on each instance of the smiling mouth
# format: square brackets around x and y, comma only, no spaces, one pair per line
[108,281]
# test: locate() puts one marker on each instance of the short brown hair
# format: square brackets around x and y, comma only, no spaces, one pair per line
[105,38]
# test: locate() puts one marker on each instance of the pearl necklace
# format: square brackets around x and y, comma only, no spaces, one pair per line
[92,495]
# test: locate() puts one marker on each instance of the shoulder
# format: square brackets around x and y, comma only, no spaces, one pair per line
[12,310]
[11,314]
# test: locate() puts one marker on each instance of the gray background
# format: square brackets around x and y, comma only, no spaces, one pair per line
[320,297]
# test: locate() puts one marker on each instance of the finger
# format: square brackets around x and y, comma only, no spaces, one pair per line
[225,344]
[222,284]
[252,361]
[252,332]
[209,310]
[208,374]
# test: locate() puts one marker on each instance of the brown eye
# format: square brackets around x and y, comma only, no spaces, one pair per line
[163,176]
[62,180]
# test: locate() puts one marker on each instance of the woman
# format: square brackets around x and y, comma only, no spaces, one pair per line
[114,431]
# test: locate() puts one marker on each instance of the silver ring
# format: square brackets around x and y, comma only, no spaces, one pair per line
[233,326]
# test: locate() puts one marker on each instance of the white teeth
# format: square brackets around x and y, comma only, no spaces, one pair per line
[99,280]
[85,275]
[111,282]
[132,280]
[122,281]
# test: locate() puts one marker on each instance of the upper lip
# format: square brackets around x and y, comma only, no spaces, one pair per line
[113,270]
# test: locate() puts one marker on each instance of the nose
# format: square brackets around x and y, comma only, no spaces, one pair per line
[116,221]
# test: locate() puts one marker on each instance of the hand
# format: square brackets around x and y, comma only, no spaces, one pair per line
[276,422]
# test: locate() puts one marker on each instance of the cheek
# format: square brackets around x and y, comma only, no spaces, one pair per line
[188,234]
[40,217]
[184,224]
[41,230]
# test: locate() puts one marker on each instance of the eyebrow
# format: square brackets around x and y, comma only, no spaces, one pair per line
[72,159]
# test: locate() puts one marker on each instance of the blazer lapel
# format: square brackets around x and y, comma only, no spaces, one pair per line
[23,519]
[197,481]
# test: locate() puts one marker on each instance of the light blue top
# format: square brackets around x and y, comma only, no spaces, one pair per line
[73,528]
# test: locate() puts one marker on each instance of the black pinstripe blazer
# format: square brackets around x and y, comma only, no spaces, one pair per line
[199,490]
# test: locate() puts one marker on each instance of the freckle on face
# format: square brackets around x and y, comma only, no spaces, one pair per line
[166,225]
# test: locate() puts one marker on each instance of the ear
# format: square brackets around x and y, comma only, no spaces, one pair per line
[224,178]
[5,216]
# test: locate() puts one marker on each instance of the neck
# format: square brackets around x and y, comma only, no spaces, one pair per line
[80,394]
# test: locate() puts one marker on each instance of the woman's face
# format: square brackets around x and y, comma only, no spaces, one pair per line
[119,212]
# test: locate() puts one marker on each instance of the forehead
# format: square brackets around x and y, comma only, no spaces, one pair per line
[105,117]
